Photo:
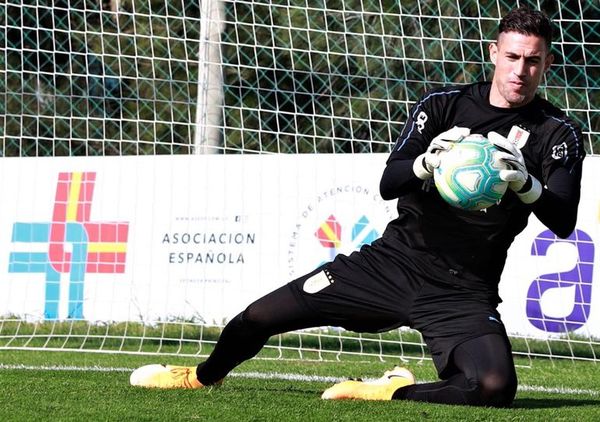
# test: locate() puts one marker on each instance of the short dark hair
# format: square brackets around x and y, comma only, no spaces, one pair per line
[527,21]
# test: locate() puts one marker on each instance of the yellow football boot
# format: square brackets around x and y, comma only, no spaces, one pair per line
[165,376]
[379,389]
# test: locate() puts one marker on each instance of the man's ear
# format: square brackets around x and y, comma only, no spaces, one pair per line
[493,49]
[548,62]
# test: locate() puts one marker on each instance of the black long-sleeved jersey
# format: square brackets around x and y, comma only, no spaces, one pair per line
[469,247]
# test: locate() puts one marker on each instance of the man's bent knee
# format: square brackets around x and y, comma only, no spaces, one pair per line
[496,390]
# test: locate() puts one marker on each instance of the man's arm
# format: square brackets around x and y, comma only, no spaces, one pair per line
[557,206]
[424,136]
[403,175]
[398,178]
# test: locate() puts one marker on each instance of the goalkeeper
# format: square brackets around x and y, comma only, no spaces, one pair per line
[436,268]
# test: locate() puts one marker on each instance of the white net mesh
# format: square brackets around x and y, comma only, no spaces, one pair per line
[157,77]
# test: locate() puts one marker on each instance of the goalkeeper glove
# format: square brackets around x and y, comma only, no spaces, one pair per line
[527,187]
[430,159]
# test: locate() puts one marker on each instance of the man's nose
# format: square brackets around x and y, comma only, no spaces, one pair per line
[519,67]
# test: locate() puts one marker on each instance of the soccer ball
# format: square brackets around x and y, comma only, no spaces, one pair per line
[469,176]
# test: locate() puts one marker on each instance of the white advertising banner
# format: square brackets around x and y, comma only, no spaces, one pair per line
[199,237]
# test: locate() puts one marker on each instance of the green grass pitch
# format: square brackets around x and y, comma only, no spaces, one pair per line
[57,386]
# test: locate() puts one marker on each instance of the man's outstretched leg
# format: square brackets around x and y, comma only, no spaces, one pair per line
[242,338]
[341,294]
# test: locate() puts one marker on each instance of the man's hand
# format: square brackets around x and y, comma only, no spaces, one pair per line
[527,187]
[428,161]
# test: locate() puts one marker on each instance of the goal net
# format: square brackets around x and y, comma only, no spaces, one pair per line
[155,96]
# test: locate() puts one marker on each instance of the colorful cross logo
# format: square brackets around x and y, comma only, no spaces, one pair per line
[75,244]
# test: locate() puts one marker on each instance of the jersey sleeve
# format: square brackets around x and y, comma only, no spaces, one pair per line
[420,128]
[422,125]
[564,149]
[561,173]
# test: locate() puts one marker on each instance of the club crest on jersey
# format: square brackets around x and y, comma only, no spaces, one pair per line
[518,136]
[559,151]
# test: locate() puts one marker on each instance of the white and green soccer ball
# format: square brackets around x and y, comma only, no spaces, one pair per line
[469,174]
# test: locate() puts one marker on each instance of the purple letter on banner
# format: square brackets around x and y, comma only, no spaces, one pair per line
[578,280]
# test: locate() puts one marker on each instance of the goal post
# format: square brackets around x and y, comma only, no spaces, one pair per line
[184,116]
[209,116]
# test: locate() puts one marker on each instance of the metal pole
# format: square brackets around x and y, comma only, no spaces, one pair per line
[207,137]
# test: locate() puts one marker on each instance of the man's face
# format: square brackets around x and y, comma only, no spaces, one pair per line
[520,63]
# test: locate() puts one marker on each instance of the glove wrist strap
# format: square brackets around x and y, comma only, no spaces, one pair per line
[420,168]
[531,190]
[527,185]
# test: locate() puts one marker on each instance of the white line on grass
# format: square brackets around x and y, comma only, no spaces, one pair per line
[278,376]
[64,368]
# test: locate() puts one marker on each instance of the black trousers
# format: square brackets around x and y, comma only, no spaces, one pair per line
[476,369]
